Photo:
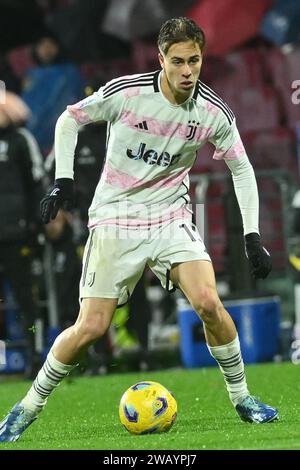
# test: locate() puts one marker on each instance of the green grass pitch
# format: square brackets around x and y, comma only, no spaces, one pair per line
[83,412]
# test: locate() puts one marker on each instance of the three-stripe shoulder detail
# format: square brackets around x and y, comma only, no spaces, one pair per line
[145,79]
[209,95]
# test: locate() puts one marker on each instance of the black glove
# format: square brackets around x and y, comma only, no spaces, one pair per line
[259,258]
[60,196]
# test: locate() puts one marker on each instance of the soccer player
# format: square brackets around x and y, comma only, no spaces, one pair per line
[139,215]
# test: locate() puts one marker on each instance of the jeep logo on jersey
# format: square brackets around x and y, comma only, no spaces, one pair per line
[152,157]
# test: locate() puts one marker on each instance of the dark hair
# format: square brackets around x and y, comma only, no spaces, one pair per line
[60,57]
[179,30]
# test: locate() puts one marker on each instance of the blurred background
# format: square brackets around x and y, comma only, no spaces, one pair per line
[55,52]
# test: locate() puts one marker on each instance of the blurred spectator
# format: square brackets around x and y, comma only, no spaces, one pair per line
[21,172]
[48,88]
[66,266]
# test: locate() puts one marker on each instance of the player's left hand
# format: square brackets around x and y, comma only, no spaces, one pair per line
[259,258]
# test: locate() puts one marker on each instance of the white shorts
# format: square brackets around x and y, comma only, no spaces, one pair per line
[114,258]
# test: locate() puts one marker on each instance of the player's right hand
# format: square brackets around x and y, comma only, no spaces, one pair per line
[60,196]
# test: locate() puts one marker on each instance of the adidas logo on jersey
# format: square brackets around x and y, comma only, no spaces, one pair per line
[142,125]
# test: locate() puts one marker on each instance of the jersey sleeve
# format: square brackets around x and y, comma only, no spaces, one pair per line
[230,148]
[98,107]
[227,141]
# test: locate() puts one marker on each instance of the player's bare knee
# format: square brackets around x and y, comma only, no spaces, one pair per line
[94,328]
[91,326]
[213,316]
[208,306]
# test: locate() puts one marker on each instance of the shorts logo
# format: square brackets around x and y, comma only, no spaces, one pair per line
[152,157]
[91,279]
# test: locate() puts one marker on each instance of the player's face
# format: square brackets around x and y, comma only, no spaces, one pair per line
[181,67]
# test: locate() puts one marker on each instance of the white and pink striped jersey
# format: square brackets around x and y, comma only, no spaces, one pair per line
[151,146]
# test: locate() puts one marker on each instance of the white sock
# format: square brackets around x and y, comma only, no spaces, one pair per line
[48,378]
[231,364]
